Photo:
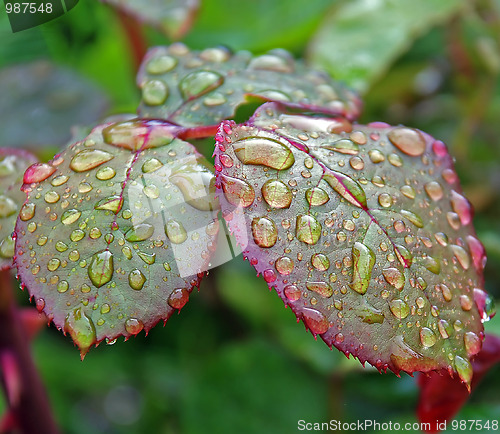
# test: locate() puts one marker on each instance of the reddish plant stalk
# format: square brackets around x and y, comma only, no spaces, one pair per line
[135,36]
[25,394]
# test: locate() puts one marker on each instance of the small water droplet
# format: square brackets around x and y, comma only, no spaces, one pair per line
[434,190]
[105,173]
[444,328]
[148,258]
[427,337]
[395,160]
[237,191]
[136,279]
[284,265]
[447,295]
[462,207]
[357,163]
[464,370]
[376,156]
[161,64]
[399,308]
[89,159]
[264,231]
[101,268]
[407,140]
[465,302]
[363,260]
[198,83]
[151,191]
[394,277]
[292,292]
[151,165]
[315,320]
[27,211]
[320,262]
[178,298]
[321,288]
[70,216]
[385,200]
[133,326]
[343,146]
[472,343]
[111,203]
[441,238]
[477,252]
[316,196]
[140,232]
[175,232]
[453,220]
[154,92]
[277,194]
[265,152]
[461,255]
[84,187]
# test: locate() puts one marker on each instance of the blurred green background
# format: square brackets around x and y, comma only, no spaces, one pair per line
[235,360]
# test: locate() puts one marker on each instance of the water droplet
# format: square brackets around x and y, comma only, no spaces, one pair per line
[407,140]
[151,165]
[89,159]
[449,176]
[127,252]
[161,64]
[198,83]
[105,308]
[101,268]
[7,206]
[408,191]
[61,247]
[357,163]
[133,326]
[151,191]
[477,252]
[444,328]
[292,292]
[394,277]
[175,232]
[111,203]
[284,265]
[472,343]
[461,255]
[431,264]
[154,92]
[277,194]
[399,308]
[316,196]
[74,255]
[308,229]
[376,156]
[38,172]
[264,231]
[385,200]
[485,304]
[105,173]
[322,288]
[70,216]
[270,62]
[395,160]
[434,190]
[464,370]
[77,235]
[214,99]
[53,264]
[343,146]
[320,262]
[27,211]
[137,135]
[62,286]
[427,337]
[447,295]
[140,232]
[315,320]
[84,187]
[269,275]
[81,329]
[237,191]
[215,55]
[226,160]
[465,302]
[413,218]
[32,227]
[441,238]
[462,207]
[347,187]
[265,152]
[148,258]
[136,279]
[178,298]
[363,260]
[7,247]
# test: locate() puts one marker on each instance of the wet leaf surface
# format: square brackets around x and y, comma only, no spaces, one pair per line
[360,60]
[116,231]
[13,163]
[202,88]
[172,17]
[362,231]
[41,102]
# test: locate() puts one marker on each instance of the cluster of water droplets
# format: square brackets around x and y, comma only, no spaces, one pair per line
[116,230]
[200,88]
[364,233]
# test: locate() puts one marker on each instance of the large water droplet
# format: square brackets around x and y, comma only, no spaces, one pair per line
[308,229]
[277,194]
[265,152]
[161,64]
[343,146]
[464,370]
[399,308]
[148,258]
[431,264]
[89,159]
[237,191]
[472,343]
[137,134]
[363,260]
[315,320]
[140,232]
[7,247]
[320,262]
[284,265]
[394,277]
[81,329]
[38,172]
[322,288]
[136,279]
[445,329]
[369,314]
[154,92]
[462,207]
[111,203]
[413,218]
[101,268]
[178,298]
[133,326]
[316,196]
[175,232]
[427,337]
[151,165]
[407,140]
[197,185]
[264,231]
[70,216]
[347,187]
[461,255]
[477,252]
[198,83]
[292,292]
[434,190]
[27,211]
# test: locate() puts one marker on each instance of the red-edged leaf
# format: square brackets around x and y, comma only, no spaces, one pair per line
[362,230]
[13,163]
[172,17]
[116,230]
[442,396]
[193,88]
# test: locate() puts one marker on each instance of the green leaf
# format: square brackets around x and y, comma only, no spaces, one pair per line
[41,102]
[342,45]
[13,163]
[203,88]
[364,233]
[172,17]
[116,230]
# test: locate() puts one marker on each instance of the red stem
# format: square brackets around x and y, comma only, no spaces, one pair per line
[135,36]
[26,396]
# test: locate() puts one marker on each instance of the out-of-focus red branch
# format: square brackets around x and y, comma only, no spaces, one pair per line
[135,36]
